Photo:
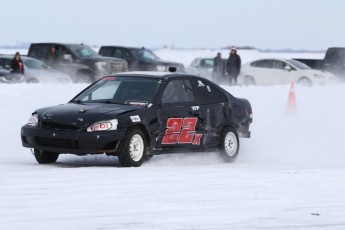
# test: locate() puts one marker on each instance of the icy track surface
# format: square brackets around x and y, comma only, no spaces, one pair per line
[289,175]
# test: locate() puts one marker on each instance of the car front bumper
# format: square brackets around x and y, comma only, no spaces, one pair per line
[74,142]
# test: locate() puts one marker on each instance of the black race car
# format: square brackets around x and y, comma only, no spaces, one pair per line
[137,114]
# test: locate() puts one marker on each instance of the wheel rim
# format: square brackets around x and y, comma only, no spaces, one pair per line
[136,147]
[230,144]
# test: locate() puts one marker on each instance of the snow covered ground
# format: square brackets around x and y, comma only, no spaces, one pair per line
[289,175]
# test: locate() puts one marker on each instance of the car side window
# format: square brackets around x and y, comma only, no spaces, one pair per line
[207,93]
[278,64]
[40,51]
[261,64]
[126,55]
[178,91]
[118,53]
[206,63]
[106,51]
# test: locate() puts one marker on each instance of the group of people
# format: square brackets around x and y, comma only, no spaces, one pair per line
[227,71]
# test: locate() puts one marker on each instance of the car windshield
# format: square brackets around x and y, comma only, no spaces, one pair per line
[83,51]
[121,90]
[31,63]
[298,64]
[144,55]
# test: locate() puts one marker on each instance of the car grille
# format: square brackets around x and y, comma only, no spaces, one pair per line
[55,142]
[115,67]
[58,126]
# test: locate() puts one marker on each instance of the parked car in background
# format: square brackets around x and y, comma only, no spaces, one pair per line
[334,62]
[7,77]
[203,67]
[134,115]
[79,61]
[140,59]
[281,71]
[36,71]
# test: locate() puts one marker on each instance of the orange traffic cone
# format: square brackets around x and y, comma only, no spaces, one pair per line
[291,107]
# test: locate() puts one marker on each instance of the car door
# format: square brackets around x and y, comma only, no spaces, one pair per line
[280,73]
[213,109]
[179,124]
[261,71]
[269,71]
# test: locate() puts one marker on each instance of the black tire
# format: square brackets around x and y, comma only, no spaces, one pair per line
[45,157]
[229,144]
[304,81]
[249,80]
[132,150]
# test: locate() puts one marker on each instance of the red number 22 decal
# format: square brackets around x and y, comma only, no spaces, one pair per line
[174,134]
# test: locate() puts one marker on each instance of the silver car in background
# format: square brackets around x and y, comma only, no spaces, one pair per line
[36,71]
[202,67]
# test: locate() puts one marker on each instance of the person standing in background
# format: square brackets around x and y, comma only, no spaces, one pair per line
[233,66]
[17,65]
[218,68]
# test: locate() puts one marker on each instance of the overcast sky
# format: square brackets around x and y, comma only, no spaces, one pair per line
[264,24]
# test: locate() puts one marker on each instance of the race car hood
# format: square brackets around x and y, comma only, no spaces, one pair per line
[80,114]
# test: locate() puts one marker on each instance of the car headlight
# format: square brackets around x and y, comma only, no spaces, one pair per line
[161,68]
[33,120]
[319,75]
[103,126]
[101,65]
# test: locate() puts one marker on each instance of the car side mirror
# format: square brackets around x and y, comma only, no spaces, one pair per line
[288,68]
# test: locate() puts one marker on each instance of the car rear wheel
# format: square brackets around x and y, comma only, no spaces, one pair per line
[229,144]
[249,80]
[45,157]
[132,151]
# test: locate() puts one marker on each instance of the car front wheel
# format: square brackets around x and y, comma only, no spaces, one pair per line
[132,151]
[304,81]
[229,144]
[45,157]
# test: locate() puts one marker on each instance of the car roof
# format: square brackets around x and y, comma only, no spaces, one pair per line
[152,74]
[11,56]
[57,43]
[126,47]
[268,58]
